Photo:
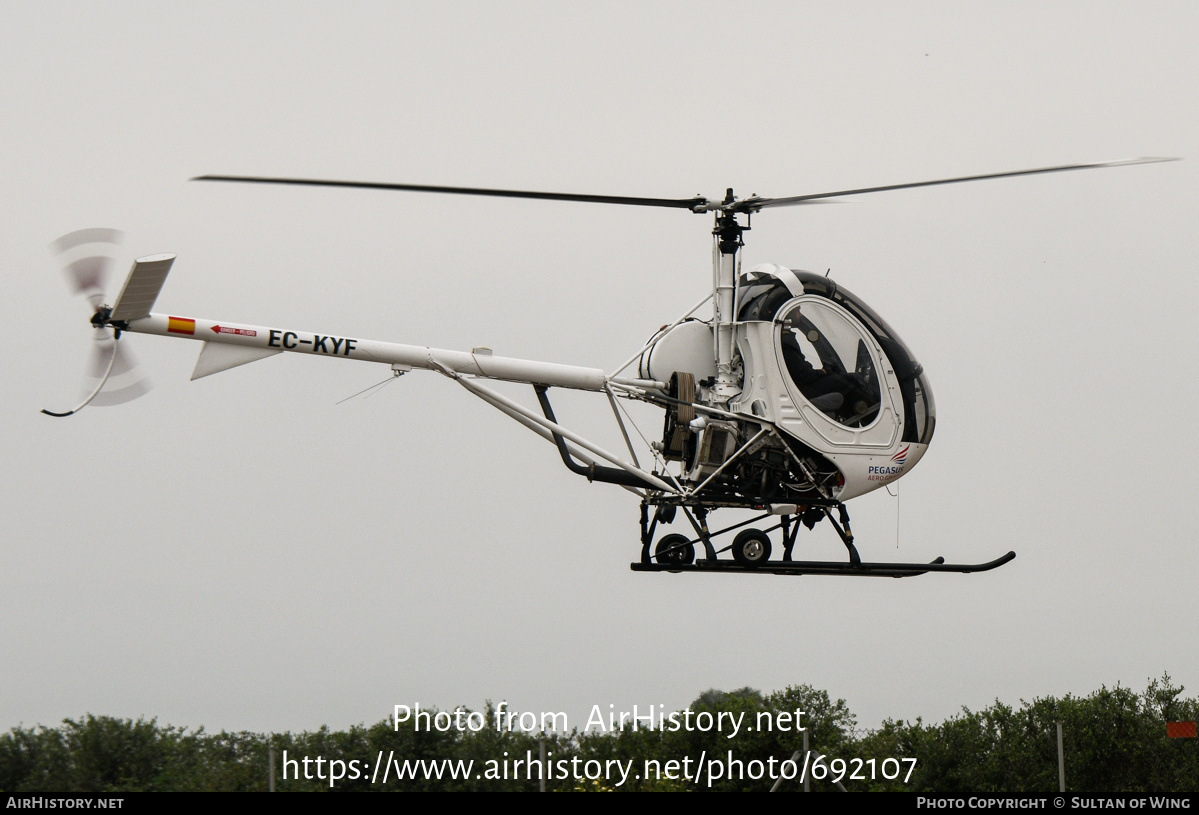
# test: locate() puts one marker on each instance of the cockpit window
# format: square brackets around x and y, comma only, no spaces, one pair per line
[828,361]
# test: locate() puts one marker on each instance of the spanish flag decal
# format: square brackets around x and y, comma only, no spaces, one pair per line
[181,325]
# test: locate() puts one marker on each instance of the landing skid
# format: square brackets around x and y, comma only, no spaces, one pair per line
[800,567]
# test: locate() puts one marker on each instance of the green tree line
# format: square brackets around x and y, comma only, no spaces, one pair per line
[1115,741]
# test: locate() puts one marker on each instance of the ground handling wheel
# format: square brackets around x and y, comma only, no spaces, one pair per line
[751,548]
[674,550]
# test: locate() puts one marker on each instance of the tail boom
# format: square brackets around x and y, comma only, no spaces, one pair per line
[270,341]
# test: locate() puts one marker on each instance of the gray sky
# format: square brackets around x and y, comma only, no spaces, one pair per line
[242,552]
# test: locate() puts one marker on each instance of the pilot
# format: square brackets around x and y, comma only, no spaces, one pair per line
[827,389]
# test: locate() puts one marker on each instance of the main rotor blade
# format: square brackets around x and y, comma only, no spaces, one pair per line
[755,204]
[678,203]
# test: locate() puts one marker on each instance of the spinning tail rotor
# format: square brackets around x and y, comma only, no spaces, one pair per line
[86,257]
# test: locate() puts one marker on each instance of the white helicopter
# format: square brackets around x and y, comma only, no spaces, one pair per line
[793,398]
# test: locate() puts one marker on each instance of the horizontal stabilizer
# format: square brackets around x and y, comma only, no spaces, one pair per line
[142,287]
[217,356]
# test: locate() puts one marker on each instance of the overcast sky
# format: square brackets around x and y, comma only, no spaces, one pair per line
[243,552]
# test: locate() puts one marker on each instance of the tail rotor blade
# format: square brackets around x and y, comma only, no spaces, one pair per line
[125,380]
[86,256]
[113,375]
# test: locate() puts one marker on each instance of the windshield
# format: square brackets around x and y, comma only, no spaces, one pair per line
[827,359]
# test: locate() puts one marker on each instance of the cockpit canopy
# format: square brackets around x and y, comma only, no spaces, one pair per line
[825,352]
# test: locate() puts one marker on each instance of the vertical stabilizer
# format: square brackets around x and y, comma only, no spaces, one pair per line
[142,287]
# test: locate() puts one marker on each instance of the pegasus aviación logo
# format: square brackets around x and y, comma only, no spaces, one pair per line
[886,472]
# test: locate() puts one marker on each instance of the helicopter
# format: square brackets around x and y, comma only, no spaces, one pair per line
[791,399]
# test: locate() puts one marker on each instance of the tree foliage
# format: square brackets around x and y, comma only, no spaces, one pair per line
[1114,741]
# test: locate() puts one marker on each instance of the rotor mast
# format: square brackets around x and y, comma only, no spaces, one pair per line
[726,262]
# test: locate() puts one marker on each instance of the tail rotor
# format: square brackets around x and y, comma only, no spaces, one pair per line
[86,257]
